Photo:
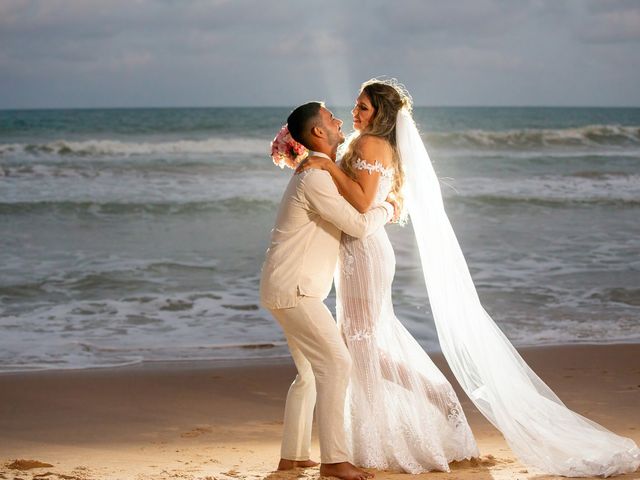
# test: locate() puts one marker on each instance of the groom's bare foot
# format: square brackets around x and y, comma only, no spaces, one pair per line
[291,464]
[344,470]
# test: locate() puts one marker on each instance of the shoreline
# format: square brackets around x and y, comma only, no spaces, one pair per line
[221,420]
[280,359]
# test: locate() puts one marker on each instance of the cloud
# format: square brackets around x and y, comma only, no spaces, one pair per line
[619,24]
[455,21]
[267,52]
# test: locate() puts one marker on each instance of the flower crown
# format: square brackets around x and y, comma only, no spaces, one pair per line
[286,151]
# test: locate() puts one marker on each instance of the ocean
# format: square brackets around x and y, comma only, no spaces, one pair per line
[130,235]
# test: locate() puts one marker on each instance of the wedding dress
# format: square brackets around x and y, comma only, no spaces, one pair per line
[402,413]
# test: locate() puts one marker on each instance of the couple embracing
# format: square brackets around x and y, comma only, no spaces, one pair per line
[379,399]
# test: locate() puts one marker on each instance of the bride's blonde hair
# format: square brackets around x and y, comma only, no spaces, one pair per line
[387,96]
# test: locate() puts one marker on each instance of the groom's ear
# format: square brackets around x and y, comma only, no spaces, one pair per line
[317,131]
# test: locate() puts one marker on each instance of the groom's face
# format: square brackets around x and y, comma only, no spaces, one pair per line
[333,127]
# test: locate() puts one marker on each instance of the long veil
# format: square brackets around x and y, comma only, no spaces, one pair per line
[538,427]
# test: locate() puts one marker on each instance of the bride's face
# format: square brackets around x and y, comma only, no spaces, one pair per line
[363,112]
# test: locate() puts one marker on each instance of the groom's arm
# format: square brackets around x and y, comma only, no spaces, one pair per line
[324,198]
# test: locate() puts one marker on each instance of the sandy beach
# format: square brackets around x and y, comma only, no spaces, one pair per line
[221,420]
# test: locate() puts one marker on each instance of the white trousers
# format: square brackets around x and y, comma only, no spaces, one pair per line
[324,365]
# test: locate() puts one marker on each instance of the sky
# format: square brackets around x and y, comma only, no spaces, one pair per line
[157,53]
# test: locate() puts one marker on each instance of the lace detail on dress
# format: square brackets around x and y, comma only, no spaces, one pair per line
[347,265]
[455,416]
[360,164]
[386,177]
[358,335]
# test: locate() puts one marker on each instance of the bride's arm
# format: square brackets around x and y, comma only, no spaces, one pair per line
[362,191]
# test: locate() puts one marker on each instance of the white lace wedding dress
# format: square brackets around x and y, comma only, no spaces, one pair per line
[402,413]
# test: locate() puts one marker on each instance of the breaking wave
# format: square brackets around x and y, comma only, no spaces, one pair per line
[589,137]
[110,147]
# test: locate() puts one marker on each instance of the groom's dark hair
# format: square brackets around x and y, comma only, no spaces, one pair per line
[302,120]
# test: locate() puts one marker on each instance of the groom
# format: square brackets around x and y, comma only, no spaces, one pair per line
[296,278]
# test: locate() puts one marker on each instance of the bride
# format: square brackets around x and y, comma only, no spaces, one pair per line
[402,412]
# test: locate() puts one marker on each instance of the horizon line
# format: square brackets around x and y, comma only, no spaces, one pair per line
[9,109]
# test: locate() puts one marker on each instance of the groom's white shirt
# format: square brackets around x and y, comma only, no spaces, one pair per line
[303,253]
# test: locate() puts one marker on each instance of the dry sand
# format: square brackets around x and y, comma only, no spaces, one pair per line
[218,420]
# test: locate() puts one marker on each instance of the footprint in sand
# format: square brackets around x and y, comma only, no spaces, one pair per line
[486,461]
[23,465]
[56,476]
[629,389]
[196,432]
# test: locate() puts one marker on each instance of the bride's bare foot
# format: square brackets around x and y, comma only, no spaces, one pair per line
[291,464]
[344,470]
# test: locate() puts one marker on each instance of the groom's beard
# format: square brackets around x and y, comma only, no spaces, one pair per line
[336,140]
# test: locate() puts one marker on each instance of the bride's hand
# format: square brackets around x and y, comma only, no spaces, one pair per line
[312,162]
[396,208]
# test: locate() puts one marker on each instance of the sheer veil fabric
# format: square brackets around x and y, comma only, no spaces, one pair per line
[538,427]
